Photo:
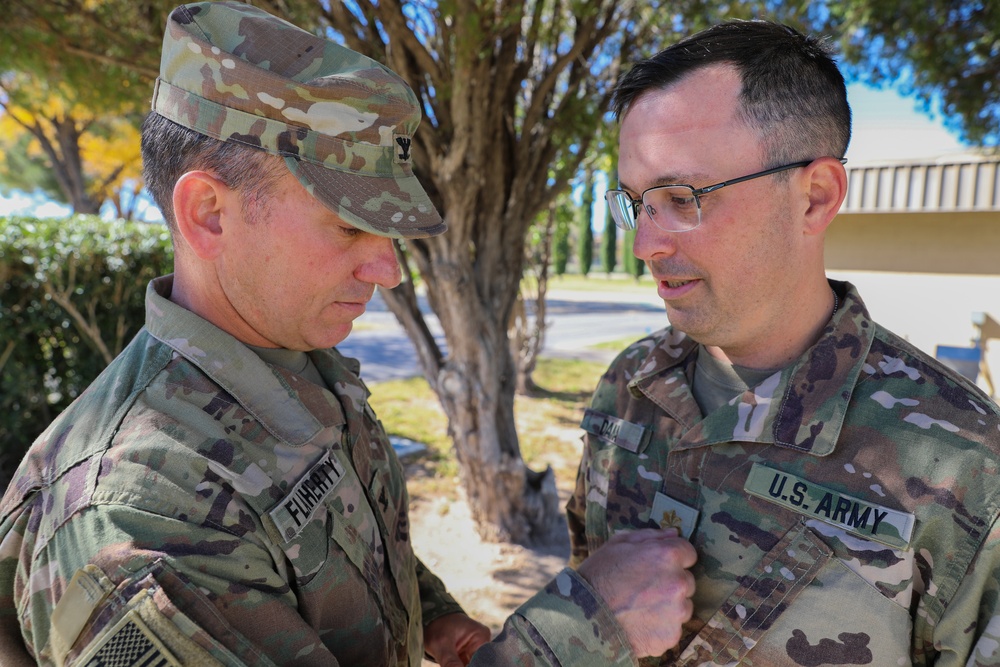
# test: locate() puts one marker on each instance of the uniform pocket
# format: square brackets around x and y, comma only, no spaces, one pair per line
[763,596]
[811,601]
[621,489]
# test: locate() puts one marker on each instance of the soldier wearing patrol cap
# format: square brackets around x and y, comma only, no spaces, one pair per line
[223,494]
[842,488]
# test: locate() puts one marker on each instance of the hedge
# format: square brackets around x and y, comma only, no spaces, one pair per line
[72,298]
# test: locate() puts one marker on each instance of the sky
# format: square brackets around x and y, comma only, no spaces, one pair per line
[887,127]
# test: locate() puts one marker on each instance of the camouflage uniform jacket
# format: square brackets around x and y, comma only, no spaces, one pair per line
[197,506]
[844,510]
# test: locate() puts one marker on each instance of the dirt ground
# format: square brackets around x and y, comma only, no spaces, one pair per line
[488,580]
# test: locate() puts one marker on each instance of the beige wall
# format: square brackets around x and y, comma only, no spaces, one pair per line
[946,242]
[931,309]
[923,275]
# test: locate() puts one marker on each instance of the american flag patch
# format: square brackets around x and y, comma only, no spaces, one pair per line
[131,644]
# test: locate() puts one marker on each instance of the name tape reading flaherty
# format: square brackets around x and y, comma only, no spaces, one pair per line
[297,508]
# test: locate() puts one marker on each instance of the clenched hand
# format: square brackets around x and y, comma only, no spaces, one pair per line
[642,576]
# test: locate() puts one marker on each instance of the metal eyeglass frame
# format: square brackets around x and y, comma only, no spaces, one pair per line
[695,192]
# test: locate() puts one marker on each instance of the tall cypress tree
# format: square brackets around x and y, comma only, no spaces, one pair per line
[585,251]
[560,241]
[609,245]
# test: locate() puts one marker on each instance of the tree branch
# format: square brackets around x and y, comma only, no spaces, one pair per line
[402,301]
[5,356]
[88,329]
[414,56]
[595,35]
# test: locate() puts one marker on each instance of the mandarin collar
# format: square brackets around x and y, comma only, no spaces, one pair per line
[803,409]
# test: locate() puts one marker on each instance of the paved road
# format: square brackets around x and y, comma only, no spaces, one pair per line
[577,321]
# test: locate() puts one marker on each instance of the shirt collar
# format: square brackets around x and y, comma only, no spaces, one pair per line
[230,364]
[803,409]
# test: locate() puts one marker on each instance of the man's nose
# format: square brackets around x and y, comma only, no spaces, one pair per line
[380,266]
[650,241]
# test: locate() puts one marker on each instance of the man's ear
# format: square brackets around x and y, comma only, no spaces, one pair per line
[199,201]
[826,183]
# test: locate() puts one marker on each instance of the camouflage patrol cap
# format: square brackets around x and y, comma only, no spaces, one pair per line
[343,122]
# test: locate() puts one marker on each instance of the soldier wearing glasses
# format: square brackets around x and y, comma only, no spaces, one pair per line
[841,487]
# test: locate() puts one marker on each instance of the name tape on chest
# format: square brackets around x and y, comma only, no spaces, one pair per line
[297,508]
[857,516]
[614,430]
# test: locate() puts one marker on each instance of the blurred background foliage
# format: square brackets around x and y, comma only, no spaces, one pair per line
[72,299]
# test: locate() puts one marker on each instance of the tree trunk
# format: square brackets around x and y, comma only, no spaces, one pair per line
[475,384]
[527,334]
[64,156]
[502,84]
[509,501]
[585,249]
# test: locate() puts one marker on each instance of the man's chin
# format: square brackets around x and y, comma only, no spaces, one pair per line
[331,337]
[689,326]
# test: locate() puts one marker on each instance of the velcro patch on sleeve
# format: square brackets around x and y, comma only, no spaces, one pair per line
[85,592]
[130,643]
[855,515]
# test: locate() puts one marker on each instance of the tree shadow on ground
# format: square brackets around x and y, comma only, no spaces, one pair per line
[564,396]
[556,545]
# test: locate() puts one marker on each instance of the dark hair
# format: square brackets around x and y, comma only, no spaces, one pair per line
[170,150]
[793,93]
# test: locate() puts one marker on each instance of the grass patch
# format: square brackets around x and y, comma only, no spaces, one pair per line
[409,408]
[548,424]
[616,345]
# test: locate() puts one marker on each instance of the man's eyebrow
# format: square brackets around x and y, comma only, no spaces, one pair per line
[669,179]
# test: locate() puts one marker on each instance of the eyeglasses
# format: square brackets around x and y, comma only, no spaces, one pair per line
[675,207]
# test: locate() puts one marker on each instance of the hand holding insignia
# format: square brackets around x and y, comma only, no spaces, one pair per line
[642,576]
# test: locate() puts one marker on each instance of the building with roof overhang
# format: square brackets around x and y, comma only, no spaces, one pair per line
[921,240]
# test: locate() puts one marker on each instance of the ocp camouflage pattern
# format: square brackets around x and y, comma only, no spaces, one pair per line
[163,476]
[199,506]
[846,506]
[343,122]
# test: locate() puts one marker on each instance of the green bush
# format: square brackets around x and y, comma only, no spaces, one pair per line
[72,298]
